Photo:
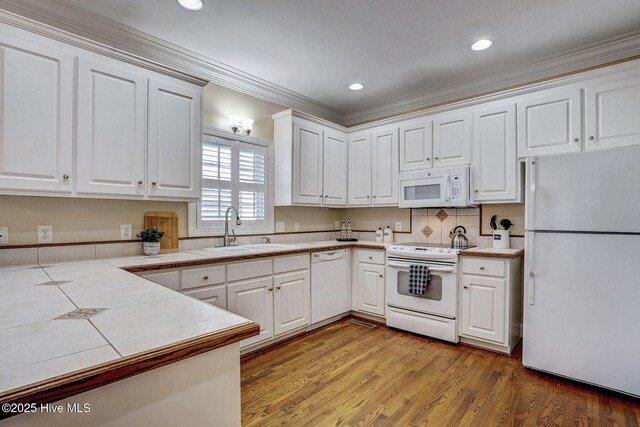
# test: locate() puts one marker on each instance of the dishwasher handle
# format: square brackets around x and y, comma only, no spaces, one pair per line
[329,256]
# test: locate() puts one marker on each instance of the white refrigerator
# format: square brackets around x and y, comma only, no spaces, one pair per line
[582,267]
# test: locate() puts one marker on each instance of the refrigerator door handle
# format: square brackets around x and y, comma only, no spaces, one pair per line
[531,279]
[531,196]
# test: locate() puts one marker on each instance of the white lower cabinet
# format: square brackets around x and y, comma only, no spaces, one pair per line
[291,301]
[490,303]
[253,299]
[369,285]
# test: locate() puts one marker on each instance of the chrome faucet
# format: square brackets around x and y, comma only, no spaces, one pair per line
[230,240]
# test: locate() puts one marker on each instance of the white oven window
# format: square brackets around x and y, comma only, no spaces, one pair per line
[422,192]
[433,292]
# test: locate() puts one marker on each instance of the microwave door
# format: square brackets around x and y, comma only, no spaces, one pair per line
[424,192]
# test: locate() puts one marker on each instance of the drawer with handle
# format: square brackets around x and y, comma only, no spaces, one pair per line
[371,257]
[483,266]
[197,277]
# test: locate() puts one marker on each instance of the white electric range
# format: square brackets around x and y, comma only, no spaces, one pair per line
[433,313]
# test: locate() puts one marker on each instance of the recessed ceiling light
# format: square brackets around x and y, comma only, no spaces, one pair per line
[482,44]
[356,86]
[191,4]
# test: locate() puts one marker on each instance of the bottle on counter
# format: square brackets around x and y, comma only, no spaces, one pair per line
[379,236]
[349,231]
[388,235]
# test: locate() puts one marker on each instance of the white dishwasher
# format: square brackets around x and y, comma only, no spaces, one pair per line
[329,284]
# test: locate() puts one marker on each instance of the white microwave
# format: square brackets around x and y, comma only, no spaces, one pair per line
[435,188]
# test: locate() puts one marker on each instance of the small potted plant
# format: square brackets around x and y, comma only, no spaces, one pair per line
[151,240]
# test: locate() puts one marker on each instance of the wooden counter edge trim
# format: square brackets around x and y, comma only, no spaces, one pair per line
[233,258]
[67,385]
[514,255]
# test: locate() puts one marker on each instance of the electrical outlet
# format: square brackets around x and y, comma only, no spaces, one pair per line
[280,227]
[398,226]
[336,225]
[4,235]
[296,226]
[45,234]
[126,232]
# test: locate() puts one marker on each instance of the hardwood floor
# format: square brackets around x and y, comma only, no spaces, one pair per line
[347,374]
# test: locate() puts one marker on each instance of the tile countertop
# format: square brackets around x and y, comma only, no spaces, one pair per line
[84,320]
[492,252]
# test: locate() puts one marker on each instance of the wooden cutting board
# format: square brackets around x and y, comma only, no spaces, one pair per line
[167,222]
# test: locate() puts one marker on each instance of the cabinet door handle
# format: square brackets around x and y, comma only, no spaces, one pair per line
[206,277]
[475,191]
[65,177]
[428,159]
[153,183]
[368,197]
[576,139]
[381,276]
[591,138]
[466,287]
[278,288]
[481,267]
[139,182]
[370,257]
[437,158]
[270,289]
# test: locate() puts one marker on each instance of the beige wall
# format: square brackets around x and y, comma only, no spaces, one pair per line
[221,102]
[309,218]
[372,218]
[78,220]
[515,212]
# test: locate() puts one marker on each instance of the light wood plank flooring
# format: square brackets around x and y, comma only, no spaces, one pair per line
[346,374]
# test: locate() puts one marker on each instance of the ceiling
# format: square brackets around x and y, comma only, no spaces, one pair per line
[396,48]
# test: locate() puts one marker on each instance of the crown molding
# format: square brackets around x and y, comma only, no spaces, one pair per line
[96,33]
[555,66]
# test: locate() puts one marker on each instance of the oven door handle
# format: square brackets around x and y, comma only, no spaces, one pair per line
[434,269]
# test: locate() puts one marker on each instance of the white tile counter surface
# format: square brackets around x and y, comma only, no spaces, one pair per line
[44,335]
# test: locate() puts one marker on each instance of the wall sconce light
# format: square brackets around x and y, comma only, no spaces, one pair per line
[238,123]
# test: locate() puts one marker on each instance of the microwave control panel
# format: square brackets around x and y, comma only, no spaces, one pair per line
[456,187]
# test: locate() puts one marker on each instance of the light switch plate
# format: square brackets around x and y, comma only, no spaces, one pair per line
[398,226]
[280,227]
[126,232]
[4,235]
[45,234]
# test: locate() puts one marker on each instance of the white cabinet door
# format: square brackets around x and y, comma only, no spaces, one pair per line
[36,85]
[253,299]
[495,164]
[111,130]
[307,163]
[483,308]
[385,167]
[292,301]
[371,288]
[613,114]
[416,146]
[360,169]
[452,140]
[335,168]
[549,124]
[175,140]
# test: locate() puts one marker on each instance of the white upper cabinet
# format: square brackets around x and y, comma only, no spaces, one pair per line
[613,114]
[384,175]
[549,123]
[310,162]
[416,145]
[175,140]
[335,168]
[452,139]
[360,156]
[495,165]
[111,130]
[307,163]
[36,85]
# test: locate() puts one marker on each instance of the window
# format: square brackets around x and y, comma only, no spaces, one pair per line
[234,173]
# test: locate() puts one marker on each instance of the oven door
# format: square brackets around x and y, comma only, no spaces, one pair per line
[425,191]
[440,296]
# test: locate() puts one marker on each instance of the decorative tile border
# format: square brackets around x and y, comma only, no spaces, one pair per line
[82,313]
